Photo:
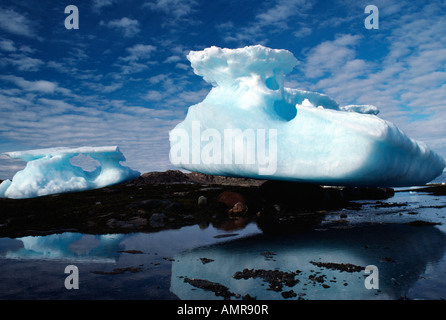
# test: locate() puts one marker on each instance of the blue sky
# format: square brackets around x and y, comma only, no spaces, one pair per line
[123,79]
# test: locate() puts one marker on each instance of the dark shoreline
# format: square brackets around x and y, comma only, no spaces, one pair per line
[167,200]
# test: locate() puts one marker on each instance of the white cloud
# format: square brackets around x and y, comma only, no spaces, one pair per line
[283,10]
[7,45]
[102,88]
[153,95]
[61,67]
[329,56]
[68,67]
[178,11]
[112,87]
[26,49]
[302,32]
[9,166]
[129,27]
[184,97]
[137,60]
[132,67]
[182,66]
[99,4]
[176,8]
[42,86]
[16,23]
[225,26]
[139,52]
[158,78]
[23,62]
[36,87]
[172,59]
[52,106]
[271,18]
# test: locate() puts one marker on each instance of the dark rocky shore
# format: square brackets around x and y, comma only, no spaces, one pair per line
[172,199]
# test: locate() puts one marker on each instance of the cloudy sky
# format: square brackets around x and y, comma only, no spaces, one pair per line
[123,79]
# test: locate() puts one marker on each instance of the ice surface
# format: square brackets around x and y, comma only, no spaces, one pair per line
[250,125]
[50,171]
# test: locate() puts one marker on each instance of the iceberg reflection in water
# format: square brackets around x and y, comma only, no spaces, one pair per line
[401,253]
[67,246]
[112,266]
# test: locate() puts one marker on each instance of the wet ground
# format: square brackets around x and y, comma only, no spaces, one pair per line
[212,254]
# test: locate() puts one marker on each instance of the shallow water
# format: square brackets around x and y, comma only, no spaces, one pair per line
[411,260]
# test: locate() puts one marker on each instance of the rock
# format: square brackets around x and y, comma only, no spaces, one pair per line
[435,189]
[230,198]
[173,207]
[296,195]
[119,224]
[157,220]
[112,223]
[235,201]
[148,204]
[91,224]
[276,278]
[119,271]
[358,193]
[269,255]
[176,176]
[206,260]
[217,288]
[167,177]
[421,223]
[181,193]
[238,209]
[132,251]
[201,178]
[202,201]
[348,267]
[288,294]
[138,222]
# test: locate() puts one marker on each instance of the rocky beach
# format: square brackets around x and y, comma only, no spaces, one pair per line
[172,199]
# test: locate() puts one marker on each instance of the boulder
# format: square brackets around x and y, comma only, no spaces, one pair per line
[240,208]
[358,193]
[202,201]
[293,194]
[230,198]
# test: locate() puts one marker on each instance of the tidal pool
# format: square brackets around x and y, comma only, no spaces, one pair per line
[403,237]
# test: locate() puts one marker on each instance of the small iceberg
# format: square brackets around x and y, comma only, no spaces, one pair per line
[250,125]
[49,171]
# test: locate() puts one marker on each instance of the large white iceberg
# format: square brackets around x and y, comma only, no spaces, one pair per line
[49,171]
[250,125]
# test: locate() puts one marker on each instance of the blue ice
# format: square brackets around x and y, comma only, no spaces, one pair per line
[49,171]
[250,125]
